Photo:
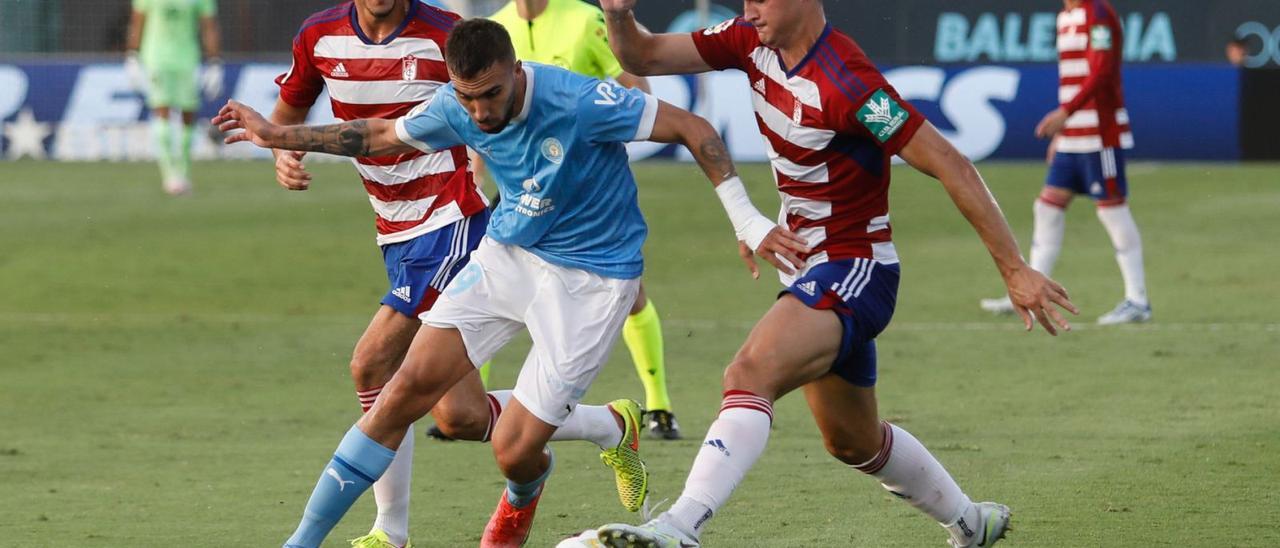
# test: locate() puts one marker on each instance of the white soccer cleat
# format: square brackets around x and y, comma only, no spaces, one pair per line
[585,539]
[995,523]
[1000,305]
[655,534]
[177,186]
[1126,312]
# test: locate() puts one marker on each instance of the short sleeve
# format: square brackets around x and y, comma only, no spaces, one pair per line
[427,126]
[611,113]
[301,86]
[597,44]
[874,109]
[726,45]
[208,8]
[888,119]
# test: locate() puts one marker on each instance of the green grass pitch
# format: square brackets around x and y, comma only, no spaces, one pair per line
[173,372]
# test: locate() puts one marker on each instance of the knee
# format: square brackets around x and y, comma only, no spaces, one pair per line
[747,372]
[368,371]
[469,422]
[852,450]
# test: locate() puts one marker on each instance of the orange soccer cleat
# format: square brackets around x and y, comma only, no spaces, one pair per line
[509,526]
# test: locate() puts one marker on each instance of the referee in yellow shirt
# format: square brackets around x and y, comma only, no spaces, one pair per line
[571,34]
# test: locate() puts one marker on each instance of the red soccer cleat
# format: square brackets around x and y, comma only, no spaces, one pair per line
[509,526]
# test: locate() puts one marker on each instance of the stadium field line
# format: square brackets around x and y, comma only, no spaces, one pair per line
[145,319]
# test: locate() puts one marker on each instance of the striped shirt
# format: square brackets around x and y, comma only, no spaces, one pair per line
[1090,42]
[414,193]
[831,126]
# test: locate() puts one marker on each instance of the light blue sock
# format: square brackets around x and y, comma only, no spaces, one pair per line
[358,462]
[521,494]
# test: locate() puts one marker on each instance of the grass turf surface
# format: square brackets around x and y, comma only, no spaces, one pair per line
[174,371]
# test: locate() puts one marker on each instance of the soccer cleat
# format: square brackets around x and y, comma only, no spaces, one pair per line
[662,425]
[995,523]
[629,470]
[1126,312]
[585,539]
[376,539]
[655,534]
[177,186]
[509,526]
[436,433]
[1000,305]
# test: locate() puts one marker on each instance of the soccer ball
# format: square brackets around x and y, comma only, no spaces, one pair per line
[585,539]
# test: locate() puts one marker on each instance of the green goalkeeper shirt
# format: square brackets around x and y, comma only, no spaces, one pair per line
[171,32]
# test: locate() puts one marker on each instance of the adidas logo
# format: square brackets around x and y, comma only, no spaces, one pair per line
[716,443]
[402,293]
[810,288]
[759,86]
[340,71]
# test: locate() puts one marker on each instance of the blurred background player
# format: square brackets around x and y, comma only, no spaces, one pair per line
[162,61]
[381,63]
[571,34]
[1089,133]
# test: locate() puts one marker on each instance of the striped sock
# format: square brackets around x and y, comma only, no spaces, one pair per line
[910,472]
[733,443]
[367,397]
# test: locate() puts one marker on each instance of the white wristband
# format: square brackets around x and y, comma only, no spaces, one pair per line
[749,224]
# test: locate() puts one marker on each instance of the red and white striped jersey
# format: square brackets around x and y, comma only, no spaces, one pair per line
[1090,46]
[831,125]
[414,193]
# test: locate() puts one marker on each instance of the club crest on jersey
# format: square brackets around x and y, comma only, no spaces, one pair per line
[409,68]
[552,150]
[883,115]
[1100,37]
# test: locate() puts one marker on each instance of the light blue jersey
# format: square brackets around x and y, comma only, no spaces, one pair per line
[568,195]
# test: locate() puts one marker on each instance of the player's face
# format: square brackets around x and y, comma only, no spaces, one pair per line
[378,8]
[490,97]
[775,19]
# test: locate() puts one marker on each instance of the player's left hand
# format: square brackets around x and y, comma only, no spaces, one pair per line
[780,248]
[1051,124]
[1034,298]
[236,115]
[211,79]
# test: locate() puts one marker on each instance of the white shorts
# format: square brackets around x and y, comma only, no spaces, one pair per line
[573,316]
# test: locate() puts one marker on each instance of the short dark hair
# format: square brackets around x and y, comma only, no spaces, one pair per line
[474,45]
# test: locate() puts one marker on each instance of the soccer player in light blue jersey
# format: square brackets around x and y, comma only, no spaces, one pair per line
[561,256]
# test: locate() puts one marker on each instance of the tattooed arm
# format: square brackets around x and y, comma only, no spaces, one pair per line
[371,137]
[756,233]
[679,126]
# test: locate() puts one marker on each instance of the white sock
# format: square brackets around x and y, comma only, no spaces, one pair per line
[733,443]
[593,423]
[1119,223]
[391,492]
[909,471]
[1046,241]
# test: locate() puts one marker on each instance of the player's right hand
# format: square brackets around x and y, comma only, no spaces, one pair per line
[291,173]
[780,248]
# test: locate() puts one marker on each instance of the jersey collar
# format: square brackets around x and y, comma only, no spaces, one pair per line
[805,60]
[528,95]
[408,16]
